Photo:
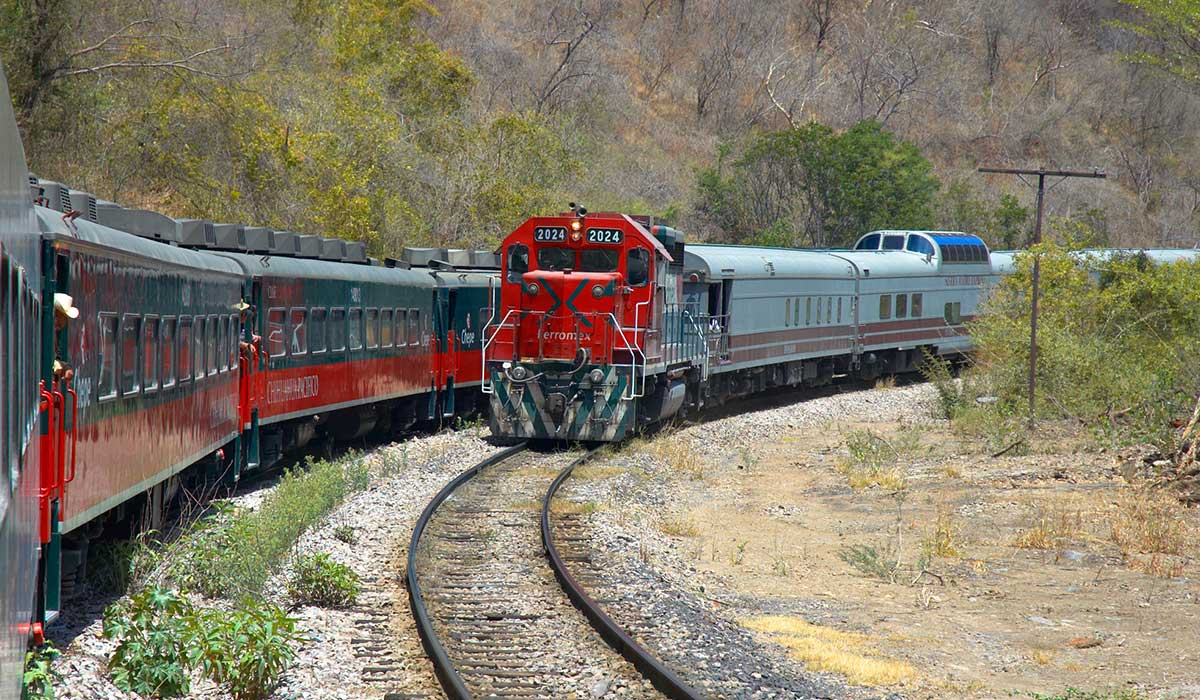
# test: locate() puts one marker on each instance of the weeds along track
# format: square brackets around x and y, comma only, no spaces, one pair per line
[492,615]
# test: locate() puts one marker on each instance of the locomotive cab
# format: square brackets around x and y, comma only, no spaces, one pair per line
[584,301]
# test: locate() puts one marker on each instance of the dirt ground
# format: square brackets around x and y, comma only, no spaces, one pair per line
[957,574]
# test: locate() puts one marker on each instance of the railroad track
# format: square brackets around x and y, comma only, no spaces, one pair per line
[492,594]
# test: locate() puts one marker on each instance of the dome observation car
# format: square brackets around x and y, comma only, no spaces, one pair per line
[948,246]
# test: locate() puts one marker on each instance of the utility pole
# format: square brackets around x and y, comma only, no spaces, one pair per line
[1042,174]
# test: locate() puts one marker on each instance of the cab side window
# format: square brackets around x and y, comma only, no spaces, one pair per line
[517,263]
[637,267]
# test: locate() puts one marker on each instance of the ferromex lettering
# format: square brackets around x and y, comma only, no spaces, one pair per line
[284,390]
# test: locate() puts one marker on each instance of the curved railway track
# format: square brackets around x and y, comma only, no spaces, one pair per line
[494,619]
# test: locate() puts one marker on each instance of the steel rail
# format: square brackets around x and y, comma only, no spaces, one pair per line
[659,675]
[445,669]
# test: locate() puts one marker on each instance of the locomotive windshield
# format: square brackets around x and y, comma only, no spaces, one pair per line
[518,262]
[554,258]
[599,260]
[551,259]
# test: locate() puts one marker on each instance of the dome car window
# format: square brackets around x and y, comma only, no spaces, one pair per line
[552,259]
[599,260]
[918,244]
[518,262]
[870,242]
[893,242]
[637,267]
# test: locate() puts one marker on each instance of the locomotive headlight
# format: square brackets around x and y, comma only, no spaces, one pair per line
[575,225]
[597,291]
[531,289]
[576,235]
[596,375]
[519,373]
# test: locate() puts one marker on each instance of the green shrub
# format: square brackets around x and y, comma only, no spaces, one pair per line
[232,554]
[38,681]
[161,638]
[318,580]
[1117,340]
[155,649]
[247,649]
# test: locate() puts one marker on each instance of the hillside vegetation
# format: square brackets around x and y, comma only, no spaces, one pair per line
[802,122]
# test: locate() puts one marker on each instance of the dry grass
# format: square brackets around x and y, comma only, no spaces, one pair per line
[942,537]
[1052,528]
[873,461]
[1150,522]
[679,527]
[888,382]
[835,651]
[681,457]
[560,505]
[1043,657]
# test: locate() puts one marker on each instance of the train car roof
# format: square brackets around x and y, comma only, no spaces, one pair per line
[52,222]
[18,230]
[720,262]
[1158,255]
[304,268]
[894,263]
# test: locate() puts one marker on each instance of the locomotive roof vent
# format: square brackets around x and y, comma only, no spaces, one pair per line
[286,243]
[421,257]
[309,246]
[139,222]
[356,252]
[333,249]
[458,257]
[56,195]
[259,239]
[229,237]
[196,233]
[83,202]
[398,264]
[485,259]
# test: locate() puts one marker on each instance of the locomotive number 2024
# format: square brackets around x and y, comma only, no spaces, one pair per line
[550,234]
[611,236]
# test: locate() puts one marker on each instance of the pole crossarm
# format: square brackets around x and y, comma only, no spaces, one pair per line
[1045,173]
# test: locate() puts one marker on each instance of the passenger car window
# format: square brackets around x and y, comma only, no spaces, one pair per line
[106,387]
[885,306]
[401,327]
[787,312]
[168,352]
[901,305]
[185,349]
[212,345]
[414,327]
[916,306]
[275,345]
[517,263]
[299,331]
[637,267]
[131,340]
[337,330]
[372,318]
[354,333]
[385,328]
[198,347]
[316,331]
[150,354]
[893,242]
[918,244]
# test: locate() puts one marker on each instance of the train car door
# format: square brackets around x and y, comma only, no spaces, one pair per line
[446,347]
[251,363]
